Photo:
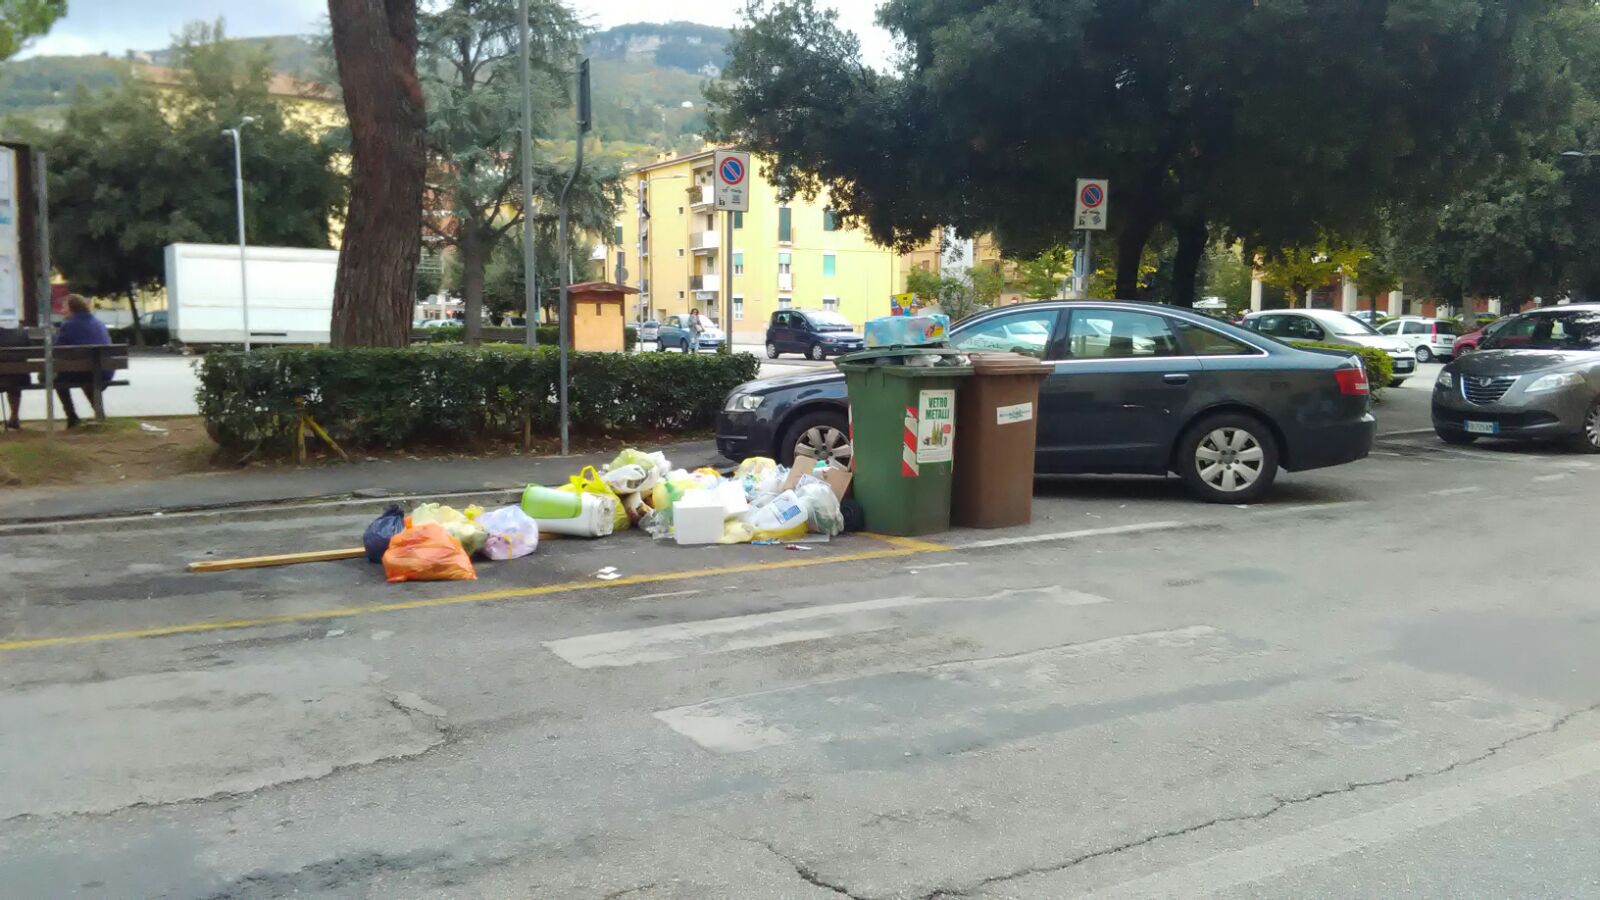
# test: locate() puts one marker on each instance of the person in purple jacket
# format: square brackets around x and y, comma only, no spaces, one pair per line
[81,329]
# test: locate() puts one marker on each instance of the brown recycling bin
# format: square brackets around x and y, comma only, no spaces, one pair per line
[998,409]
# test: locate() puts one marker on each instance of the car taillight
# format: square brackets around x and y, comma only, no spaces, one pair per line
[1352,381]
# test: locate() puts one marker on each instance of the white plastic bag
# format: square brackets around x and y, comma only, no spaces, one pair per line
[512,533]
[823,515]
[625,480]
[782,519]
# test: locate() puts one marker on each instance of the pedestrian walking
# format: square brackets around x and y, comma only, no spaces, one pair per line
[697,327]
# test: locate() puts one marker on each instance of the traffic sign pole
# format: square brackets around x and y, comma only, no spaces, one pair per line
[731,170]
[727,277]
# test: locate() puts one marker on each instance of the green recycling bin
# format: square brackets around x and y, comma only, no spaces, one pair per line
[903,423]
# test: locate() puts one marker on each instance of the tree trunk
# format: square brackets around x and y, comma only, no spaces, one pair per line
[1130,253]
[138,327]
[375,44]
[1192,238]
[473,251]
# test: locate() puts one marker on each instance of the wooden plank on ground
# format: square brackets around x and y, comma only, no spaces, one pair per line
[283,559]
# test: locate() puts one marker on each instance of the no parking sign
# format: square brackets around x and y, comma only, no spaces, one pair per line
[1093,194]
[732,171]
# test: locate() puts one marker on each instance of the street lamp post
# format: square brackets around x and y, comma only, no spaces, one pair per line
[529,257]
[238,191]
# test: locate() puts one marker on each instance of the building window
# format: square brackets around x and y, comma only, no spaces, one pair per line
[830,220]
[738,219]
[830,304]
[785,302]
[784,264]
[680,251]
[738,264]
[785,224]
[616,234]
[738,307]
[680,210]
[830,264]
[680,295]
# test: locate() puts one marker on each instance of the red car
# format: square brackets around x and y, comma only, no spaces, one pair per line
[1469,342]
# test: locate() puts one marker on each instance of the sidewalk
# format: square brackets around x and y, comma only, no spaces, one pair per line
[323,482]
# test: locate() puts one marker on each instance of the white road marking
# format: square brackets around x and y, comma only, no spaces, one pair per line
[1224,873]
[1304,508]
[1071,535]
[1451,492]
[1556,477]
[754,721]
[724,635]
[915,569]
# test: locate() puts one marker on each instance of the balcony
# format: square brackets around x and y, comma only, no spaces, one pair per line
[705,284]
[785,281]
[704,241]
[702,195]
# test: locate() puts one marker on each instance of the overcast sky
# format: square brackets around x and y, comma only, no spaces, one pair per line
[95,26]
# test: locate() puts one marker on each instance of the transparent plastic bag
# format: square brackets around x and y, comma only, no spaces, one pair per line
[512,533]
[455,523]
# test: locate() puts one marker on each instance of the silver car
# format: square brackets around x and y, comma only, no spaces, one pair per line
[1324,326]
[1537,376]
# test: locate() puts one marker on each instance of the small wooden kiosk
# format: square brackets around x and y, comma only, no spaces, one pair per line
[596,311]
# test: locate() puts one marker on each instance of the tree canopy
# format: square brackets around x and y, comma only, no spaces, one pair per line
[1242,121]
[135,169]
[21,20]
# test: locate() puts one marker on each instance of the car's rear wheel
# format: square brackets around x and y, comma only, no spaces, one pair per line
[1229,458]
[1451,436]
[772,350]
[1587,440]
[1424,355]
[817,353]
[823,435]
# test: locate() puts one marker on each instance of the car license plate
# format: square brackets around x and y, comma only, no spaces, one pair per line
[1401,365]
[1483,428]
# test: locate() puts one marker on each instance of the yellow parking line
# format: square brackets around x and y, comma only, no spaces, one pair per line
[898,547]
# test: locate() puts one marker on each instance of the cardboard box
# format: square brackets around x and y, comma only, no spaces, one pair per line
[834,476]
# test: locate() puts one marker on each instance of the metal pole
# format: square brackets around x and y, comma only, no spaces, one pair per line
[727,276]
[1088,262]
[41,224]
[238,187]
[530,260]
[566,278]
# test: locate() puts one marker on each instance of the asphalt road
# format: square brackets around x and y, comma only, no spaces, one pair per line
[1382,683]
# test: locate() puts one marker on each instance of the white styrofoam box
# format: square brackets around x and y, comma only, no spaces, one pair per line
[697,517]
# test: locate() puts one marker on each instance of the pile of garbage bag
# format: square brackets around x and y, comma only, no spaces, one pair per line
[437,542]
[761,502]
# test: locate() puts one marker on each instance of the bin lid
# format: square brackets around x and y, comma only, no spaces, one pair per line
[1008,364]
[892,362]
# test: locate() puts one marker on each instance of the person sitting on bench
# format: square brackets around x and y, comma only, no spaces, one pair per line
[12,385]
[81,329]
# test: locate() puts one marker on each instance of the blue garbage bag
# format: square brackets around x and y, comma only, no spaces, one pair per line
[384,527]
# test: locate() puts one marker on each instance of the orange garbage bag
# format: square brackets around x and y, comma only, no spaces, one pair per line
[426,553]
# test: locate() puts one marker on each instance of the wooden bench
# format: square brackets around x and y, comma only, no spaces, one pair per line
[69,360]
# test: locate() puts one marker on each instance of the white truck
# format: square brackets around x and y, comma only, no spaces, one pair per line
[291,294]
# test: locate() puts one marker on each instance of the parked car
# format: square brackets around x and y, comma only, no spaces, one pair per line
[1138,388]
[1369,316]
[1430,338]
[157,319]
[674,333]
[1325,326]
[648,331]
[1469,342]
[818,334]
[1537,376]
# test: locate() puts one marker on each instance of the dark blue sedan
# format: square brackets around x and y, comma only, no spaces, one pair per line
[1138,388]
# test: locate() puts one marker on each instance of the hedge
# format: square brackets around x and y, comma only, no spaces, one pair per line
[1380,367]
[549,335]
[440,395]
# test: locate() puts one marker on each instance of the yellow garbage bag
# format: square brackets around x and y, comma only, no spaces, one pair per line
[589,482]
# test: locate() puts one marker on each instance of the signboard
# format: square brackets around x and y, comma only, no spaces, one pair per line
[10,242]
[732,176]
[904,304]
[936,427]
[1093,197]
[1012,415]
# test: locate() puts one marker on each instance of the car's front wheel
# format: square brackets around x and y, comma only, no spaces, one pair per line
[817,353]
[1229,458]
[1396,382]
[1587,440]
[823,435]
[1424,355]
[772,350]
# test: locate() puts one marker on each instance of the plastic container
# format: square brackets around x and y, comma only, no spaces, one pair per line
[999,414]
[574,515]
[903,424]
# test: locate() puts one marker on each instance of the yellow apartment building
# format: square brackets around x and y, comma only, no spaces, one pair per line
[791,255]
